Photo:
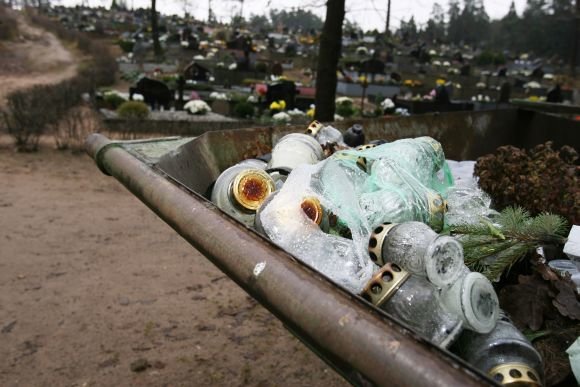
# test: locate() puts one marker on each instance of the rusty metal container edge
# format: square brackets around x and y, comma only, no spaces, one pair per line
[330,319]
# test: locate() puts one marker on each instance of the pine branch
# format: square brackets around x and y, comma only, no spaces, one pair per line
[479,253]
[493,249]
[469,229]
[505,260]
[471,241]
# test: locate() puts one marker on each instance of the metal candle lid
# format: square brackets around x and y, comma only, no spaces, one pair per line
[437,210]
[360,161]
[251,187]
[365,147]
[314,128]
[376,242]
[384,284]
[313,209]
[515,374]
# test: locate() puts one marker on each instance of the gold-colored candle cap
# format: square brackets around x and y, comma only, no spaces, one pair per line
[313,209]
[515,375]
[384,284]
[251,187]
[313,128]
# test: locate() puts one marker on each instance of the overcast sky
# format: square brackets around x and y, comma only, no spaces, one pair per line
[369,14]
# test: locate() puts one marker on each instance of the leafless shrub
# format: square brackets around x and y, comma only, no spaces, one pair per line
[30,112]
[26,116]
[58,107]
[75,126]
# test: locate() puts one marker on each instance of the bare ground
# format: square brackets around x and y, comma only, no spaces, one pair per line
[37,57]
[92,281]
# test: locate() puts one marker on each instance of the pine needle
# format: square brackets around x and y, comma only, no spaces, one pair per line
[548,226]
[493,249]
[513,218]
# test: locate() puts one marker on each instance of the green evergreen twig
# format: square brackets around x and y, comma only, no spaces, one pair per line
[493,249]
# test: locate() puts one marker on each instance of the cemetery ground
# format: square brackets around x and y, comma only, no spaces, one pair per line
[96,290]
[93,285]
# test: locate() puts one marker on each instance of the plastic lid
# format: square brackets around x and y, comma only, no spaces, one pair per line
[356,128]
[479,303]
[562,266]
[444,261]
[251,187]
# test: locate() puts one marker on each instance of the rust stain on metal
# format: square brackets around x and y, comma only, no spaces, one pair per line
[258,148]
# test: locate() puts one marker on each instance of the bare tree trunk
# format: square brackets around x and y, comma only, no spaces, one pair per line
[575,40]
[387,28]
[155,30]
[328,55]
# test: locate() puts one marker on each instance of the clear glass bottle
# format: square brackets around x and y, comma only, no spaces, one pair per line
[418,249]
[310,206]
[414,301]
[329,135]
[258,226]
[504,354]
[396,195]
[239,191]
[350,160]
[295,149]
[279,175]
[253,163]
[423,156]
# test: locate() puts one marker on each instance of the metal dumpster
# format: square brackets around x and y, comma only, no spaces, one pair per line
[173,177]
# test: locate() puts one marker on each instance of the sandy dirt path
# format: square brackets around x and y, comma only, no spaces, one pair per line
[37,57]
[92,281]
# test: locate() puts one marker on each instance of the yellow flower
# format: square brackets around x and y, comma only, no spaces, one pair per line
[278,105]
[440,82]
[533,98]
